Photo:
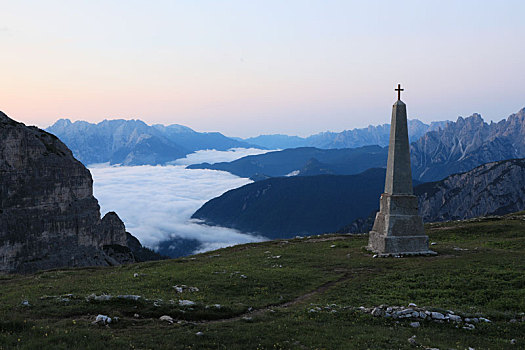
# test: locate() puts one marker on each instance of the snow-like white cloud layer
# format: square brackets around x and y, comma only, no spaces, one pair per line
[156,202]
[214,156]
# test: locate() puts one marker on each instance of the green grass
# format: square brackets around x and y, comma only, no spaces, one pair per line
[479,271]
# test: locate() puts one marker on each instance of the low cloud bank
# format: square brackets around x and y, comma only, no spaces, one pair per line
[214,156]
[156,202]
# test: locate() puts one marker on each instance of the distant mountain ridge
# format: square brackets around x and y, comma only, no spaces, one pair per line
[133,142]
[358,137]
[283,207]
[304,161]
[458,147]
[463,145]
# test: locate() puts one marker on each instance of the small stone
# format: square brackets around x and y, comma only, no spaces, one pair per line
[412,305]
[513,341]
[199,334]
[513,320]
[166,318]
[25,303]
[136,315]
[454,318]
[135,275]
[415,314]
[102,320]
[377,312]
[485,320]
[412,340]
[244,276]
[332,246]
[374,256]
[422,315]
[414,324]
[437,316]
[129,297]
[433,243]
[186,302]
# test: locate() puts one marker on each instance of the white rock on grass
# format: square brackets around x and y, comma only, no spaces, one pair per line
[412,340]
[414,324]
[437,316]
[129,297]
[199,334]
[412,305]
[186,302]
[102,320]
[166,318]
[103,297]
[454,318]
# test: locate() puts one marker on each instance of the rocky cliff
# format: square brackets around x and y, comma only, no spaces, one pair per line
[48,215]
[491,189]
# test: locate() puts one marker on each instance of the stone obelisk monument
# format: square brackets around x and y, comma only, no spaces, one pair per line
[398,228]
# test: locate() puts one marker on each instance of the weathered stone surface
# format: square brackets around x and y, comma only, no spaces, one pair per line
[490,189]
[398,229]
[48,215]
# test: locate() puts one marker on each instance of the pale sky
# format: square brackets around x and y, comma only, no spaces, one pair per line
[255,67]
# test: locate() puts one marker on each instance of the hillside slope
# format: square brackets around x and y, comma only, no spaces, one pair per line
[300,205]
[311,293]
[492,188]
[286,206]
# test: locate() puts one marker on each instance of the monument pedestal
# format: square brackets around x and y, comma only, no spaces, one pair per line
[398,229]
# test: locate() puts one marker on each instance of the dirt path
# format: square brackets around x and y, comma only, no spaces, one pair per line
[298,300]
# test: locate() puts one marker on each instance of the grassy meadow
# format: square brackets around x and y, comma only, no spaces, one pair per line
[261,296]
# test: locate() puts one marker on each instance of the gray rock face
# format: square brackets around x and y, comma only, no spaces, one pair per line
[48,215]
[463,145]
[490,189]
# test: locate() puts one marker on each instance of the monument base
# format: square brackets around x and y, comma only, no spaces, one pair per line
[398,229]
[385,246]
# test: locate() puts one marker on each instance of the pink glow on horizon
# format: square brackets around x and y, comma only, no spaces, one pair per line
[260,67]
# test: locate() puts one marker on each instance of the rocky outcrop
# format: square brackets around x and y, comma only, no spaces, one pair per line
[48,215]
[491,189]
[463,145]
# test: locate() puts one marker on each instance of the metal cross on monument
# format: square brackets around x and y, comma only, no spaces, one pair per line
[399,91]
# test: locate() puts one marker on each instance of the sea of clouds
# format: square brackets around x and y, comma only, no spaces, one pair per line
[156,202]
